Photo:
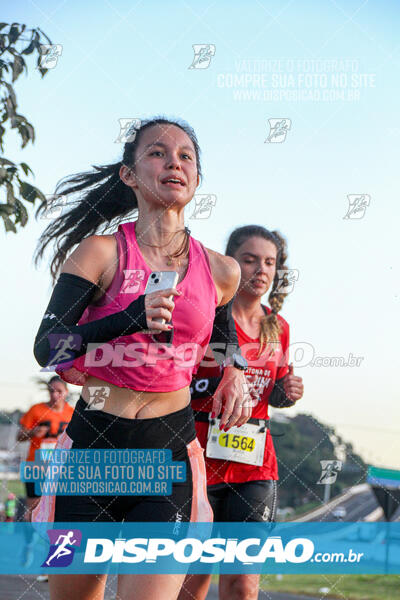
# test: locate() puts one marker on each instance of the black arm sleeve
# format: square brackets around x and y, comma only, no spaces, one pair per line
[224,336]
[277,397]
[59,340]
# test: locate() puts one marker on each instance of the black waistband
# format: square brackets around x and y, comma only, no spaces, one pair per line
[202,416]
[98,429]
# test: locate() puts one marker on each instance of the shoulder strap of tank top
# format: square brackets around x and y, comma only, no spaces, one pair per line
[131,249]
[121,265]
[201,248]
[129,232]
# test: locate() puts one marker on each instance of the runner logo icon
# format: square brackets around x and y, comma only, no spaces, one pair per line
[60,552]
[330,470]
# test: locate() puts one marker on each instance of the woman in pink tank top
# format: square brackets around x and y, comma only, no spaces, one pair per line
[135,386]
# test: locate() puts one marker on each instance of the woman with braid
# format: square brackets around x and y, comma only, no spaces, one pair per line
[240,487]
[99,305]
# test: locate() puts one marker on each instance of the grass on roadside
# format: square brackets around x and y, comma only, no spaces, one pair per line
[11,485]
[345,587]
[349,587]
[301,510]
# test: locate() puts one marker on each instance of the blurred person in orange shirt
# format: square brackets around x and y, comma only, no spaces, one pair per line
[42,424]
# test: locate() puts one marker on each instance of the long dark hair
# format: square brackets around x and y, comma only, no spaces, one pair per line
[106,199]
[270,328]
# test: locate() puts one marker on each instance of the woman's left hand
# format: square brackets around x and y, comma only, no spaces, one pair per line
[233,398]
[293,385]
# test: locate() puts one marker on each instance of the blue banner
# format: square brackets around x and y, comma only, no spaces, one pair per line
[356,548]
[85,472]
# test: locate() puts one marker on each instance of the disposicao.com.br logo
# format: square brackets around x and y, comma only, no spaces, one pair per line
[202,547]
[190,550]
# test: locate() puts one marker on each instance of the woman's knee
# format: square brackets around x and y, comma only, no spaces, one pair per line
[195,587]
[239,587]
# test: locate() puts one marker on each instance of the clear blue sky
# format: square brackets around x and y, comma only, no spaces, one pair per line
[131,59]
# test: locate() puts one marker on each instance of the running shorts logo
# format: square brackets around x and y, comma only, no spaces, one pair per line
[266,514]
[178,522]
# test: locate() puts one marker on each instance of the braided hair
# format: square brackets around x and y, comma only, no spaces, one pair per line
[270,327]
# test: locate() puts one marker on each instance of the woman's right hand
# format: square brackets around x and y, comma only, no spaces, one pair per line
[231,399]
[158,305]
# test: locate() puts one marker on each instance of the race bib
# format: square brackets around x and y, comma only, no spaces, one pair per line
[245,444]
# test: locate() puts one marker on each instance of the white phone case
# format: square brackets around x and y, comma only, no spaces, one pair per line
[161,280]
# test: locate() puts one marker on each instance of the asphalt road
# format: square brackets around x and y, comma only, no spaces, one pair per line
[357,507]
[25,587]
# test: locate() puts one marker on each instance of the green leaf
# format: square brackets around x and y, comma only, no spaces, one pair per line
[26,168]
[31,131]
[25,129]
[3,25]
[30,48]
[11,93]
[5,161]
[26,132]
[28,191]
[17,120]
[21,213]
[40,195]
[8,224]
[41,70]
[2,132]
[24,135]
[10,110]
[6,209]
[10,194]
[14,33]
[18,67]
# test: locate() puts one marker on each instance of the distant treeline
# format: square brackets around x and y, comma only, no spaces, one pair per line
[300,444]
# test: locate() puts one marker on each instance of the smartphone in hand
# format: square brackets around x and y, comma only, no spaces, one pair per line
[161,280]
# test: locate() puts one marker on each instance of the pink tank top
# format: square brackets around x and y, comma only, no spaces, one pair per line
[137,361]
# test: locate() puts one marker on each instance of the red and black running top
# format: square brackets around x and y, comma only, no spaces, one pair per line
[262,373]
